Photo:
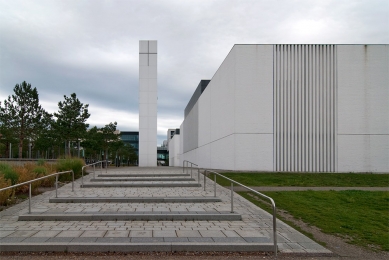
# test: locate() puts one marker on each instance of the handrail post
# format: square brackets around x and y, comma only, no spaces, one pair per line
[191,167]
[275,229]
[214,185]
[56,186]
[94,171]
[29,200]
[106,165]
[73,181]
[198,175]
[82,175]
[232,197]
[205,173]
[101,167]
[183,166]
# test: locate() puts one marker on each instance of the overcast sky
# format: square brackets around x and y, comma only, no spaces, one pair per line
[91,47]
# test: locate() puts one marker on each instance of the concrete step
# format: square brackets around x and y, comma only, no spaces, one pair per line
[138,185]
[144,175]
[132,216]
[141,179]
[118,244]
[135,200]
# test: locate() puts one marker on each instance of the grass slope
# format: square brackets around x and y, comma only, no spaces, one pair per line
[360,216]
[307,179]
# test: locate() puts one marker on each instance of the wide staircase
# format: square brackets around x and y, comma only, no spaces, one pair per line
[133,209]
[136,196]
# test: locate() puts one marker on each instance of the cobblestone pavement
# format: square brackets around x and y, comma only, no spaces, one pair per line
[254,228]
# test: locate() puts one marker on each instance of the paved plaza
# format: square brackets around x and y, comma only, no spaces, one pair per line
[144,218]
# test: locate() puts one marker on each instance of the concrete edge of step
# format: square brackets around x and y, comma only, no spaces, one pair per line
[134,199]
[132,217]
[136,247]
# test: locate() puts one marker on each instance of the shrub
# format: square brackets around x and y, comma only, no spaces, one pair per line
[40,171]
[68,164]
[8,173]
[4,195]
[44,170]
[40,162]
[26,173]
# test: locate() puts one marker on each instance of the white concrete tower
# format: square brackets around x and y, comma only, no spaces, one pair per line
[147,103]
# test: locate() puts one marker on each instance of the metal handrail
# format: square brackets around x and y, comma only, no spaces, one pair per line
[256,192]
[37,179]
[191,167]
[94,170]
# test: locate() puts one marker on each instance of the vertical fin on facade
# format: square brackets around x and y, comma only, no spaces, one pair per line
[304,108]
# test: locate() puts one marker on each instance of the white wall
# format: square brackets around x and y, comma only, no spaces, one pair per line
[235,130]
[363,108]
[174,151]
[232,122]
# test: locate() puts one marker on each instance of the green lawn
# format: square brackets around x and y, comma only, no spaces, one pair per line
[307,179]
[361,216]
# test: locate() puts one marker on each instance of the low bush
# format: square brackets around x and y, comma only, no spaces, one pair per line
[8,173]
[26,173]
[40,162]
[68,164]
[4,195]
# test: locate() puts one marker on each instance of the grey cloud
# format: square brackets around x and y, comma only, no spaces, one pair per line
[91,47]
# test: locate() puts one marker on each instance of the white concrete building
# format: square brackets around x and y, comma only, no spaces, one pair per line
[314,108]
[147,103]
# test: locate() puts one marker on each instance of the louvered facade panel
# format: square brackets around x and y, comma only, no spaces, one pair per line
[305,86]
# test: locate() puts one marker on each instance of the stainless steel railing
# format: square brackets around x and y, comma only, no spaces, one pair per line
[38,179]
[191,168]
[232,196]
[254,191]
[94,170]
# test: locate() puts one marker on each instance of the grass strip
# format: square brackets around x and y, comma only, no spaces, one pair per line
[362,217]
[306,179]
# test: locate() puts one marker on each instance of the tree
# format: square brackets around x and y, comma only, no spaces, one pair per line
[22,115]
[109,137]
[71,118]
[92,143]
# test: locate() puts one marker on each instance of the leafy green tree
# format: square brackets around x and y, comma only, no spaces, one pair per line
[22,116]
[109,137]
[92,143]
[71,118]
[48,139]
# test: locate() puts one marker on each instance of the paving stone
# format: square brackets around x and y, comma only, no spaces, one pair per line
[46,233]
[5,233]
[70,233]
[187,233]
[23,233]
[117,233]
[213,233]
[93,233]
[141,233]
[164,233]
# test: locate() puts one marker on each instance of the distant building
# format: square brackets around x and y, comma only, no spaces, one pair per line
[132,138]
